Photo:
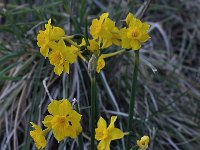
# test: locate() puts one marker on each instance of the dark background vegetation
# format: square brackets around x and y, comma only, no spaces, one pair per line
[168,91]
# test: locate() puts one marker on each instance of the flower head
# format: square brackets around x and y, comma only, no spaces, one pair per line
[143,142]
[48,37]
[135,34]
[38,136]
[105,31]
[106,134]
[101,62]
[64,121]
[61,57]
[93,47]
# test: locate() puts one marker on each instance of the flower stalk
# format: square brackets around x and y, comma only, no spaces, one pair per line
[93,110]
[80,137]
[68,39]
[132,99]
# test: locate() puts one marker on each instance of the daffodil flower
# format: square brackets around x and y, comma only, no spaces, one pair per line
[38,136]
[101,62]
[135,34]
[48,37]
[64,121]
[105,31]
[143,142]
[93,47]
[106,134]
[61,57]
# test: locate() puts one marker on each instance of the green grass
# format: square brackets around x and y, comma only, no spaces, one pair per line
[167,100]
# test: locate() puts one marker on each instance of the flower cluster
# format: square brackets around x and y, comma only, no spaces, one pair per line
[63,121]
[54,44]
[62,51]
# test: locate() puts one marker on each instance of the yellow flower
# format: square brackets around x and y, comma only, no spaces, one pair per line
[101,62]
[106,135]
[143,142]
[135,34]
[38,136]
[61,56]
[93,47]
[48,37]
[64,121]
[76,51]
[105,31]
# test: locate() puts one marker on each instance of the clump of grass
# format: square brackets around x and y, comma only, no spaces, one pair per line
[168,90]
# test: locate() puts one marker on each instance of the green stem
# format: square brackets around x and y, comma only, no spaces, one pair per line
[112,54]
[93,110]
[132,99]
[71,42]
[80,137]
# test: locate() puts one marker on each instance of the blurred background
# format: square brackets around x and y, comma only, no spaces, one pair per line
[168,89]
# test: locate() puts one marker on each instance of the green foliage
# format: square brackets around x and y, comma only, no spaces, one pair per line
[167,98]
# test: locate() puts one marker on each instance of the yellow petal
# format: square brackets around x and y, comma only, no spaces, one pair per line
[48,26]
[64,107]
[106,43]
[44,51]
[112,122]
[58,69]
[38,136]
[104,145]
[101,145]
[143,142]
[144,38]
[53,107]
[83,43]
[95,28]
[103,17]
[69,54]
[75,127]
[60,127]
[116,133]
[56,58]
[61,108]
[145,27]
[75,117]
[101,131]
[101,123]
[108,145]
[47,121]
[93,46]
[129,17]
[135,44]
[53,45]
[66,67]
[57,33]
[100,65]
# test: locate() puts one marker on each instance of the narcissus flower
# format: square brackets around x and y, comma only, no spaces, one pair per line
[105,31]
[93,47]
[106,134]
[61,57]
[64,121]
[101,62]
[143,142]
[38,136]
[48,37]
[76,51]
[135,34]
